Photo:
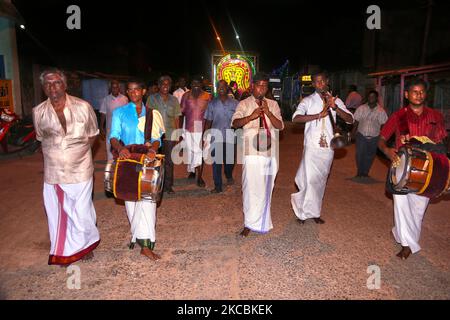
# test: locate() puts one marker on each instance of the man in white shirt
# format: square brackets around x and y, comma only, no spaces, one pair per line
[112,101]
[317,158]
[260,163]
[369,118]
[181,83]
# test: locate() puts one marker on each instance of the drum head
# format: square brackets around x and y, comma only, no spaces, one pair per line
[400,170]
[152,180]
[109,176]
[400,174]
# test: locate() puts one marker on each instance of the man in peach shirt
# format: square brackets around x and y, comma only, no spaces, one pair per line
[257,115]
[67,127]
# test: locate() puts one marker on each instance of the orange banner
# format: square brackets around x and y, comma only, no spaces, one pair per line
[6,94]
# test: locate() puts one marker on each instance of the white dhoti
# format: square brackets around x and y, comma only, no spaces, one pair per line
[258,178]
[311,180]
[71,221]
[193,149]
[408,215]
[142,217]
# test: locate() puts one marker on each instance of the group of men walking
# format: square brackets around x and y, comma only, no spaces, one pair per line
[67,127]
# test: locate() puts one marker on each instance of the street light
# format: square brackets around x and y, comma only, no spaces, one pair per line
[218,38]
[237,37]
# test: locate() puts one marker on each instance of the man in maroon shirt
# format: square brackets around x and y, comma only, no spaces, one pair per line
[414,120]
[193,107]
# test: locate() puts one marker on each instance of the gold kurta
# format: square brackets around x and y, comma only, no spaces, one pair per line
[67,156]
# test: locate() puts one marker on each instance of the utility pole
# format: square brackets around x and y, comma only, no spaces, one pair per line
[426,32]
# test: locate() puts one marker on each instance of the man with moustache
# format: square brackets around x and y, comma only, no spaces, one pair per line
[416,119]
[260,163]
[67,128]
[169,108]
[218,117]
[369,118]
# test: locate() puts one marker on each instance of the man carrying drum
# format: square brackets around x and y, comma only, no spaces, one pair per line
[128,126]
[415,120]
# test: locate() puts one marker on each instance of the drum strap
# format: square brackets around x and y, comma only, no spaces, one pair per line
[148,124]
[403,122]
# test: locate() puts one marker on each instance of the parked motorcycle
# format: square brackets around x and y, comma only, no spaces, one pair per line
[17,134]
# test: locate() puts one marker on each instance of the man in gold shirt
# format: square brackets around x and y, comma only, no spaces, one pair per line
[67,127]
[260,120]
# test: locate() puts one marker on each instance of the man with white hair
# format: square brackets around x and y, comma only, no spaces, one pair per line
[67,128]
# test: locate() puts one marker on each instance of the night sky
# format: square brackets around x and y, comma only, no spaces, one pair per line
[177,36]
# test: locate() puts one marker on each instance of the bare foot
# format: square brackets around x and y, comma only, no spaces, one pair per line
[244,233]
[404,253]
[191,175]
[150,254]
[89,256]
[319,221]
[200,182]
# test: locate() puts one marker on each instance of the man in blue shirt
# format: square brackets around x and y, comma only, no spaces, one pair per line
[128,124]
[218,117]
